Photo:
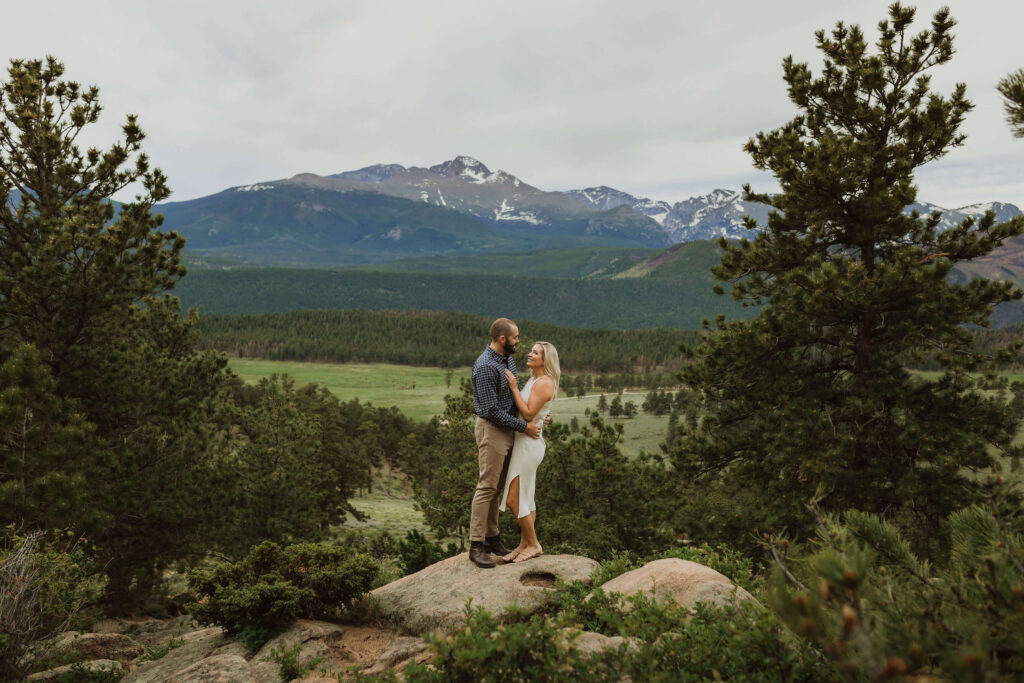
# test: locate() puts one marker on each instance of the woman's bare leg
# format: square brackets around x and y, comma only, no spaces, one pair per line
[512,502]
[530,546]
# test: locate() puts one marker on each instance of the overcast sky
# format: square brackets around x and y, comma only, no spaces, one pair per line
[653,98]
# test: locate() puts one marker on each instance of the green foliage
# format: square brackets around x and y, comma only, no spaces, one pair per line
[663,642]
[1012,90]
[273,586]
[287,660]
[418,552]
[582,506]
[297,457]
[879,611]
[813,393]
[45,584]
[44,442]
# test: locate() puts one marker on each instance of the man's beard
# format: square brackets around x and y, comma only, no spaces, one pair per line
[509,348]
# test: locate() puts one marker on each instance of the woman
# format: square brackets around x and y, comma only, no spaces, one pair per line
[534,404]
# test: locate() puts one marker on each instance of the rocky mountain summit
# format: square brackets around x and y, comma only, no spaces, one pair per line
[432,600]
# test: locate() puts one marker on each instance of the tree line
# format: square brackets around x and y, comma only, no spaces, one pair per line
[435,338]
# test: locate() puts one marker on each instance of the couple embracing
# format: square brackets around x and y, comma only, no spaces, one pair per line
[508,438]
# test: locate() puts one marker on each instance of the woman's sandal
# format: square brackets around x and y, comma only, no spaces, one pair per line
[524,556]
[511,557]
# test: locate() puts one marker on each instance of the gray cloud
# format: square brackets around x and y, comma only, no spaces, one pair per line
[654,98]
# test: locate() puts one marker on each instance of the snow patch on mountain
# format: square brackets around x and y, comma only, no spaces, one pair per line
[254,188]
[605,198]
[509,213]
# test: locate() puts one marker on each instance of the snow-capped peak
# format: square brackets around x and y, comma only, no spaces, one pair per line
[463,168]
[720,196]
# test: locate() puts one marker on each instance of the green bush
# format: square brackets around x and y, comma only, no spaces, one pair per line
[418,552]
[287,660]
[273,586]
[44,587]
[665,642]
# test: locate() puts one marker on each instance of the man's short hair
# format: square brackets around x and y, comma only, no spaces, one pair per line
[501,326]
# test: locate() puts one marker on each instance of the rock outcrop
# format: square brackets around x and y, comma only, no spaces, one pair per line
[686,582]
[178,650]
[80,647]
[66,671]
[436,597]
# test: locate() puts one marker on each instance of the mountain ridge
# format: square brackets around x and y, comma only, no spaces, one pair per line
[379,213]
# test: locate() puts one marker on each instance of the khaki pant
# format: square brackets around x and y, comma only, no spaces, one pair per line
[494,445]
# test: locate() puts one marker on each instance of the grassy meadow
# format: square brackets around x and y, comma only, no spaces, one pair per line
[417,391]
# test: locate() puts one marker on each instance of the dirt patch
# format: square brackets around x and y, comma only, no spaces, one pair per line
[360,645]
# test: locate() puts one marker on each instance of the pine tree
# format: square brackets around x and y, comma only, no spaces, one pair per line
[813,393]
[82,292]
[1012,90]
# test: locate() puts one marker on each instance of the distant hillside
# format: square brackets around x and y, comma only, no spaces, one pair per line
[561,264]
[601,303]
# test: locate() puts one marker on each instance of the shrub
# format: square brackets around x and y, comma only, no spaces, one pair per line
[878,610]
[418,552]
[668,643]
[273,586]
[44,586]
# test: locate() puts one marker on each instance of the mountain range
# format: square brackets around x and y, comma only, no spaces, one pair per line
[388,211]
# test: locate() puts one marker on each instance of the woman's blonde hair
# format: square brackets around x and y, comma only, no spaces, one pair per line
[551,367]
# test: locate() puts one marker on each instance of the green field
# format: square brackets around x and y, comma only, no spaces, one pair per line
[419,393]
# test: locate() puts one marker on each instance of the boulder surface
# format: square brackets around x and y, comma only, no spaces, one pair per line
[685,582]
[80,647]
[436,596]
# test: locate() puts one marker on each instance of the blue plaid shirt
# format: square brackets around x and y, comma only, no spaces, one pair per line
[492,397]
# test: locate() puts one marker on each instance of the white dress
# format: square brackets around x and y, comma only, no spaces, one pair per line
[526,456]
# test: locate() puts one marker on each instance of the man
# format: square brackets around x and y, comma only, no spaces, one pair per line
[497,421]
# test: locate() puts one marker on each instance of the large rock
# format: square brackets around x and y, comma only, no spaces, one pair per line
[398,653]
[64,672]
[218,669]
[80,647]
[151,632]
[685,582]
[436,596]
[589,643]
[194,647]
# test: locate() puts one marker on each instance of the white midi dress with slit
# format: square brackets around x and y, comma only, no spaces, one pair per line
[526,456]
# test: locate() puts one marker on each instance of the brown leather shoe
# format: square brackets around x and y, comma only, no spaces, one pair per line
[494,546]
[478,555]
